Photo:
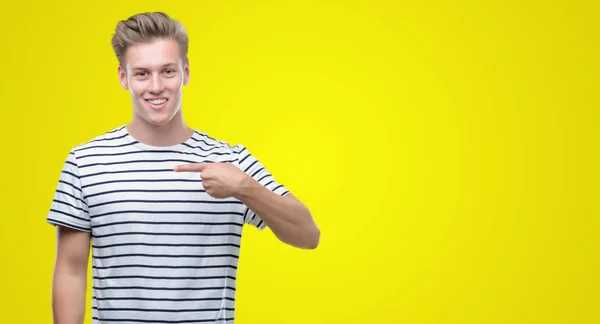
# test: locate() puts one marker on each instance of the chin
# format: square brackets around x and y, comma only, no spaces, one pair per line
[154,118]
[158,121]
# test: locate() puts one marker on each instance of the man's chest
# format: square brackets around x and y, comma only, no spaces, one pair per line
[152,198]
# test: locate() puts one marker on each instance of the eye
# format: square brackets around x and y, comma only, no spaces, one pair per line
[141,74]
[169,71]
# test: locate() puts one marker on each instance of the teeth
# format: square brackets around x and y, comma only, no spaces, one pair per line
[157,101]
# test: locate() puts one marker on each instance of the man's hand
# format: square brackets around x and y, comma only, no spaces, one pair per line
[220,180]
[287,217]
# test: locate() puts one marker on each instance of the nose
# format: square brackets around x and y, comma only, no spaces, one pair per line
[156,85]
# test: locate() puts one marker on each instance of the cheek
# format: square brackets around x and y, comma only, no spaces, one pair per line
[136,88]
[173,84]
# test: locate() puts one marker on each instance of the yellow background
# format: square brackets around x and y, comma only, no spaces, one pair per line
[448,150]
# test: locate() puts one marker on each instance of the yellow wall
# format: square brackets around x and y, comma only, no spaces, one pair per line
[448,150]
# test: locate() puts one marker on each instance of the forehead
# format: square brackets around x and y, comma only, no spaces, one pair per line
[154,54]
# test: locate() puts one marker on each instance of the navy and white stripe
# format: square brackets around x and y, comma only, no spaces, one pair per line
[163,250]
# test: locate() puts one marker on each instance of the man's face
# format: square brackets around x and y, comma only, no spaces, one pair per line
[155,74]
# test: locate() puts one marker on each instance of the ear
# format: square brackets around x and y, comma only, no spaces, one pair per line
[123,78]
[186,71]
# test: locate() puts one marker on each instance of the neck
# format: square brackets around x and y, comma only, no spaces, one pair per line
[172,133]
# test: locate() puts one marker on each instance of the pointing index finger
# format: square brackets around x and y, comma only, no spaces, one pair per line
[191,167]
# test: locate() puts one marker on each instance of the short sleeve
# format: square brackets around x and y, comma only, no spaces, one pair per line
[68,206]
[249,164]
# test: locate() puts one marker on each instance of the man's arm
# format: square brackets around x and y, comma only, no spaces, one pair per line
[70,276]
[287,217]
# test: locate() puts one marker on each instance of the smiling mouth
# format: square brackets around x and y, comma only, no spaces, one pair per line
[157,102]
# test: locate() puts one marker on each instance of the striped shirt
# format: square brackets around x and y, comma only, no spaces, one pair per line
[163,250]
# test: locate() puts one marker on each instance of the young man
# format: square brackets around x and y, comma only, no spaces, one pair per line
[162,204]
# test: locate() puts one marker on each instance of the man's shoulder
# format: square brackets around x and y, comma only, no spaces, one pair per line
[206,140]
[108,138]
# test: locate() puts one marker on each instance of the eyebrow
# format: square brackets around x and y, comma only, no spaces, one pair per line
[144,68]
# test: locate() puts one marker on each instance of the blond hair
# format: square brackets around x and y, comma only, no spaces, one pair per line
[147,27]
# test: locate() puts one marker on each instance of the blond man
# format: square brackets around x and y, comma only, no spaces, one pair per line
[161,205]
